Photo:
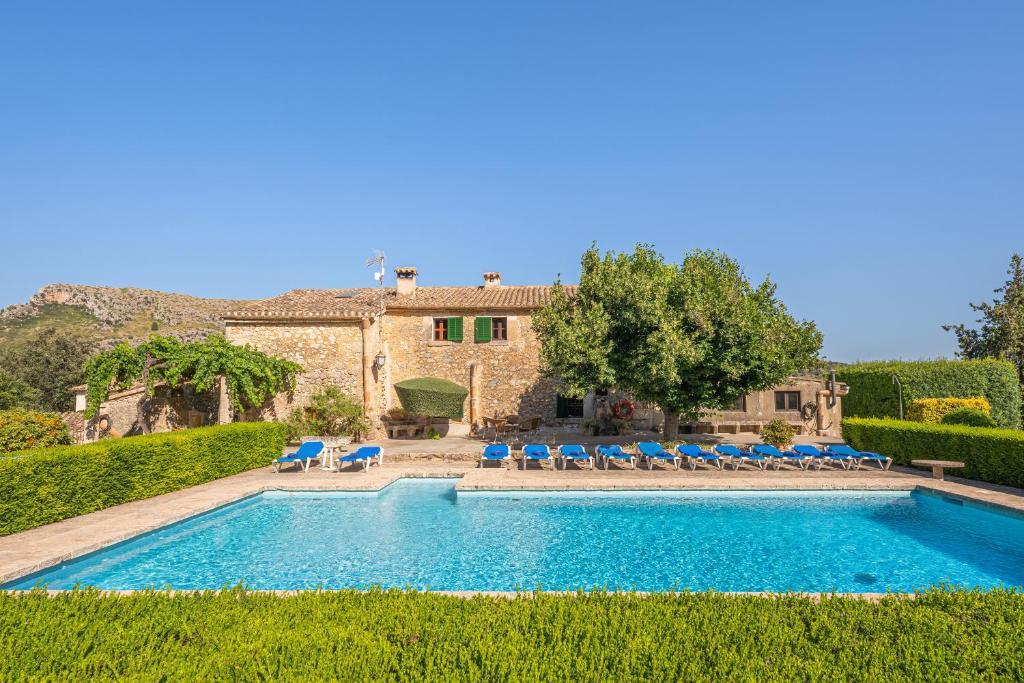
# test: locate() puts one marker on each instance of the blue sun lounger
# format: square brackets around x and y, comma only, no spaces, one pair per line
[574,452]
[883,461]
[495,452]
[737,456]
[653,451]
[535,451]
[777,457]
[365,455]
[821,457]
[309,451]
[615,452]
[695,455]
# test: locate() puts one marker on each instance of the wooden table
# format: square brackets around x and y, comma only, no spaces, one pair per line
[938,466]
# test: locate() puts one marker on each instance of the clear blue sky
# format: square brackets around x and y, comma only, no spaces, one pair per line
[868,155]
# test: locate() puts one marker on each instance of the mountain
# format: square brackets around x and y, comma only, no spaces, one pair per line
[108,315]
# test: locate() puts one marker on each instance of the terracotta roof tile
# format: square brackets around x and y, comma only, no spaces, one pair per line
[346,304]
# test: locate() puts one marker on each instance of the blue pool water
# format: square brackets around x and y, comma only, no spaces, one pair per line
[418,533]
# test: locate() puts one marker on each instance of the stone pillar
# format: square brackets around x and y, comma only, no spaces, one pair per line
[368,356]
[476,385]
[223,402]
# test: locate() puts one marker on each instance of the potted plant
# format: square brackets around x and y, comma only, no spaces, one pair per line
[778,433]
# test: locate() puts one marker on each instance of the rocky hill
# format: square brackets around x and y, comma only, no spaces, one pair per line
[111,314]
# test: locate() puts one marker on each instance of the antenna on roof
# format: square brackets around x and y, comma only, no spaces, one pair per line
[377,260]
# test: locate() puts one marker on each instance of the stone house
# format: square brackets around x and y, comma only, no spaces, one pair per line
[365,340]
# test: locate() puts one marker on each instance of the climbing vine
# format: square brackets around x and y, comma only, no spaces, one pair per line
[251,376]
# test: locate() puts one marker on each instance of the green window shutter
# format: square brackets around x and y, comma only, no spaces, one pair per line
[482,329]
[455,329]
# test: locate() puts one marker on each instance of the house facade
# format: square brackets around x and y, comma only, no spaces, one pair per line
[366,340]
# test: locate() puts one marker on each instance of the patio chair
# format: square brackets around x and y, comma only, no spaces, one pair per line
[820,457]
[653,451]
[695,455]
[615,452]
[883,461]
[777,457]
[574,452]
[535,451]
[496,452]
[737,456]
[308,452]
[365,455]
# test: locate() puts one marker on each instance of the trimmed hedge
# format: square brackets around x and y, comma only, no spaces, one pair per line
[933,410]
[992,455]
[432,397]
[394,635]
[873,394]
[50,484]
[970,417]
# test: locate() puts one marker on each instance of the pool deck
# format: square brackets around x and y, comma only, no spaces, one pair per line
[36,549]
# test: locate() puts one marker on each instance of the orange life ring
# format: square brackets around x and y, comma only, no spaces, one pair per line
[623,409]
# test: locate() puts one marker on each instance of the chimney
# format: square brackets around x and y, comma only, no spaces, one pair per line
[492,280]
[406,281]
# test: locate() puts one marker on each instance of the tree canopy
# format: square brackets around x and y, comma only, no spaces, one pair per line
[688,337]
[250,375]
[50,361]
[1001,334]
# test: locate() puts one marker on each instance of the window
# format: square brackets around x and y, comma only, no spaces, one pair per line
[740,405]
[487,329]
[787,400]
[447,329]
[568,407]
[499,329]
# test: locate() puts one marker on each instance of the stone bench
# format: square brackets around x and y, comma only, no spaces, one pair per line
[396,431]
[938,466]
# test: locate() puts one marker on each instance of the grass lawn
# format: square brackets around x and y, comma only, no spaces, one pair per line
[395,635]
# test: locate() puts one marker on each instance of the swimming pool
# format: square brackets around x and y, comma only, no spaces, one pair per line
[419,533]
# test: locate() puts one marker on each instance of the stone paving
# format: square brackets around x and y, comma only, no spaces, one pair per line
[37,549]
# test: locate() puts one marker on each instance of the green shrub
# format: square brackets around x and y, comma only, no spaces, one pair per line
[993,455]
[778,433]
[22,429]
[394,635]
[432,397]
[47,485]
[972,417]
[933,410]
[873,394]
[330,413]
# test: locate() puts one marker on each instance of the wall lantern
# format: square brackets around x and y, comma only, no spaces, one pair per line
[379,361]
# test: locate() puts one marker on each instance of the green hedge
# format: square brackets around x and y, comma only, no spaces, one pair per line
[432,397]
[993,455]
[386,636]
[873,394]
[50,484]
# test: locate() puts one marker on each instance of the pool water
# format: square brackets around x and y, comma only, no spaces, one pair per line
[419,533]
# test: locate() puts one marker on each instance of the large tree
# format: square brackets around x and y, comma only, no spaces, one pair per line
[51,361]
[688,338]
[251,377]
[1001,334]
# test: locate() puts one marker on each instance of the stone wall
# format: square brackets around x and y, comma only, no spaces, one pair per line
[329,352]
[512,383]
[168,409]
[760,409]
